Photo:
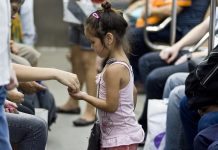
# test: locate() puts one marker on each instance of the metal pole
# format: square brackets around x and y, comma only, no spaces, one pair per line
[173,23]
[212,25]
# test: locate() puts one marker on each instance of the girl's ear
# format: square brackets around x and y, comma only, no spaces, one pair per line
[109,38]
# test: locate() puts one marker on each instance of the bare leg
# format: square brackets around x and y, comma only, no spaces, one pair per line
[89,63]
[75,59]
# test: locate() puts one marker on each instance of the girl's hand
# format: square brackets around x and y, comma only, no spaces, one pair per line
[76,95]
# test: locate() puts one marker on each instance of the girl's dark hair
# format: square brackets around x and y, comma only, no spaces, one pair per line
[107,20]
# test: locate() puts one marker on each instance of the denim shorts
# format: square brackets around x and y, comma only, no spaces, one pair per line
[77,36]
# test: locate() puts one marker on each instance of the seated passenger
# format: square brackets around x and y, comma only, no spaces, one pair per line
[188,17]
[199,108]
[156,67]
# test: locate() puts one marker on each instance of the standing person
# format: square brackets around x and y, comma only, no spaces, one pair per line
[83,62]
[5,68]
[116,99]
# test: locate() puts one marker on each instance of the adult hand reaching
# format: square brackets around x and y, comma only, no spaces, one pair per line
[68,79]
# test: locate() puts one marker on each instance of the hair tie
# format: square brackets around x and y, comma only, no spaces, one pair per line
[95,15]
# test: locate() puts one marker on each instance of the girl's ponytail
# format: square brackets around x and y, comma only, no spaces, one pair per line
[106,6]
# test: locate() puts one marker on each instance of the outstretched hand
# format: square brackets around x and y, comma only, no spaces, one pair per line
[68,79]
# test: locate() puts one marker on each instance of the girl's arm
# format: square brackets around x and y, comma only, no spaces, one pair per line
[26,73]
[112,78]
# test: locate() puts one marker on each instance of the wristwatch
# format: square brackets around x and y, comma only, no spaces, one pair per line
[189,56]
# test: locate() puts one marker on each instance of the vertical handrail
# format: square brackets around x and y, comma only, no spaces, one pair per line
[173,23]
[201,42]
[212,25]
[172,32]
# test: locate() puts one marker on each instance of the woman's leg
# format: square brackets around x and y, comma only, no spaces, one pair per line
[90,71]
[173,81]
[175,138]
[27,131]
[77,68]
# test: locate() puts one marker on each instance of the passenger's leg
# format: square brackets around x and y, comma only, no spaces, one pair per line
[90,71]
[189,120]
[207,138]
[28,52]
[173,81]
[27,131]
[175,139]
[77,68]
[19,60]
[154,84]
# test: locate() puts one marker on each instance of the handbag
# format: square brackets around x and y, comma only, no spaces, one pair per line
[155,139]
[202,83]
[95,137]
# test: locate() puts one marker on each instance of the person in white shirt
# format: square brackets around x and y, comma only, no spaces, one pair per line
[7,79]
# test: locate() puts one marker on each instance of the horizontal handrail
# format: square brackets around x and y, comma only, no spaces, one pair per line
[160,27]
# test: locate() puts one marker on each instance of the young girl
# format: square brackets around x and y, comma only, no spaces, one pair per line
[116,92]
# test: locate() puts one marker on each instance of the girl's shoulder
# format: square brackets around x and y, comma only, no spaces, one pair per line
[117,69]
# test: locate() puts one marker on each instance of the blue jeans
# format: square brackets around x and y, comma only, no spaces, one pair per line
[4,135]
[28,132]
[173,81]
[175,139]
[207,126]
[207,137]
[189,120]
[154,72]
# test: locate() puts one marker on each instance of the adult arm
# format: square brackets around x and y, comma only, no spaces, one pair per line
[27,73]
[189,39]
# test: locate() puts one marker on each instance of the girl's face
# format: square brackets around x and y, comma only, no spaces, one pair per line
[97,45]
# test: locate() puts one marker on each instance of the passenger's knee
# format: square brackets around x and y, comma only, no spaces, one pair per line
[40,129]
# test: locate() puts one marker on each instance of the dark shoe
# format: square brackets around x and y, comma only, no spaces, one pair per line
[72,111]
[82,122]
